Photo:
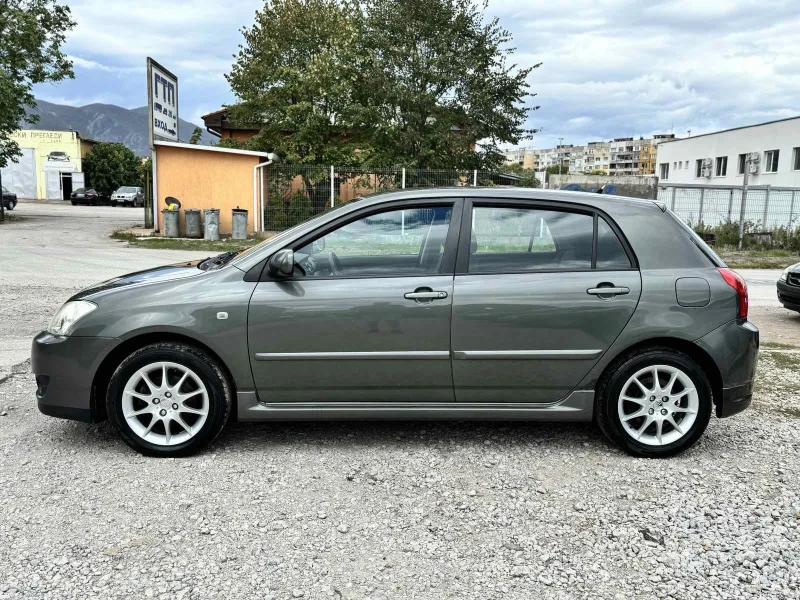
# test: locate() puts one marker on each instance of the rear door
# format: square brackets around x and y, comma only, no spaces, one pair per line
[541,291]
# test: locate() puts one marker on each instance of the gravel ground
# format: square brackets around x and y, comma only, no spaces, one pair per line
[399,510]
[402,510]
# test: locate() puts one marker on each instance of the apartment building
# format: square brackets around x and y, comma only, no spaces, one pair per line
[720,158]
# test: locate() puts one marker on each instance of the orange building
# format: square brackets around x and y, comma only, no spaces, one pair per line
[209,177]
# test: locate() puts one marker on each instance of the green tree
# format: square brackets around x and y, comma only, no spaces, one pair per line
[437,79]
[196,135]
[527,177]
[557,170]
[109,166]
[295,76]
[414,83]
[32,33]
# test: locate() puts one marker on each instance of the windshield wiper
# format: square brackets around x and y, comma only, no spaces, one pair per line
[215,262]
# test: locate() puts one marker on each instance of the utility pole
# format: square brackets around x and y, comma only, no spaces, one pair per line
[2,204]
[744,198]
[560,161]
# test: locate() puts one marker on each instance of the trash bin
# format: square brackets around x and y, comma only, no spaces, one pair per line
[211,216]
[170,222]
[239,220]
[194,229]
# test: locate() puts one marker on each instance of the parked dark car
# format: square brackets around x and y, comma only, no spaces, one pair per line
[789,288]
[9,199]
[462,303]
[87,196]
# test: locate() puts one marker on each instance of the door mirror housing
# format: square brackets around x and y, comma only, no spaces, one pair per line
[282,263]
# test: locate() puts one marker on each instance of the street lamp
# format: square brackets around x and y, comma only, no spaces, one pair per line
[560,161]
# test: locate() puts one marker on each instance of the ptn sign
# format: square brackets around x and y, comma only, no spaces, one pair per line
[162,100]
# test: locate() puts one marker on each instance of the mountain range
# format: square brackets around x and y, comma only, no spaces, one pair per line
[107,123]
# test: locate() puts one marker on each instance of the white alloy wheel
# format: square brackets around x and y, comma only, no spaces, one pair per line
[165,403]
[658,405]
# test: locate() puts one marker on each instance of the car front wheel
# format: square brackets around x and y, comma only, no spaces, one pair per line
[655,402]
[168,399]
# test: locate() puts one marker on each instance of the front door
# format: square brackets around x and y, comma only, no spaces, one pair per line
[536,302]
[366,315]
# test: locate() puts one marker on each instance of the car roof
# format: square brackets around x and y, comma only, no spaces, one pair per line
[500,192]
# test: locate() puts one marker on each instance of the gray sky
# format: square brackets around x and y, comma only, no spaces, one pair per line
[612,68]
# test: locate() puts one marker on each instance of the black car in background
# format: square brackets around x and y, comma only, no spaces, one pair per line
[789,287]
[87,196]
[9,199]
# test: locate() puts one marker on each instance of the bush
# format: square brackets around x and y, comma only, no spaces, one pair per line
[727,234]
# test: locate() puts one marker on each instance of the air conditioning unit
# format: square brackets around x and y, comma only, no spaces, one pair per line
[707,168]
[755,159]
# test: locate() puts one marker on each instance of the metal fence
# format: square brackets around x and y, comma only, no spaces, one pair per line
[766,208]
[292,194]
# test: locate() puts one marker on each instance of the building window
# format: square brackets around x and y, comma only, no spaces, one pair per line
[796,160]
[664,170]
[771,161]
[675,165]
[698,169]
[742,164]
[721,166]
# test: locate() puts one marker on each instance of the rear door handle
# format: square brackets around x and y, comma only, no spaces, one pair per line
[608,291]
[432,295]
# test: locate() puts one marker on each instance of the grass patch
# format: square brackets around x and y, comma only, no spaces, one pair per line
[160,243]
[778,346]
[774,258]
[785,361]
[12,218]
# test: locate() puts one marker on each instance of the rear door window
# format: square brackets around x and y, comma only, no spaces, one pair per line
[506,239]
[610,252]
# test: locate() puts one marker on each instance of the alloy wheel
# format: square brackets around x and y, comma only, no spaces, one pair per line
[658,405]
[165,403]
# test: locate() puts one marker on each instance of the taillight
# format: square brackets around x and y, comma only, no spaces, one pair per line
[733,279]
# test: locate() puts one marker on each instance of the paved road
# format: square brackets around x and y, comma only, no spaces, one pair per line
[57,250]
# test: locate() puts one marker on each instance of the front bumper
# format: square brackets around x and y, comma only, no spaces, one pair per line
[65,368]
[734,349]
[789,295]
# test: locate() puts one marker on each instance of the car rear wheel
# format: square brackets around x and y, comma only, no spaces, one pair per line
[168,399]
[12,205]
[655,402]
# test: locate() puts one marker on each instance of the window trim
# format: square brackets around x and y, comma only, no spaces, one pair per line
[766,161]
[465,235]
[446,268]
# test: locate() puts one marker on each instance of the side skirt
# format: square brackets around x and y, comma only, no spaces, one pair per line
[578,406]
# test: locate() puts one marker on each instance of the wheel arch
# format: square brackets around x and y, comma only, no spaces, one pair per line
[692,350]
[102,376]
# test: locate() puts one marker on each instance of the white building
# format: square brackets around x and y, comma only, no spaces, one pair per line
[717,159]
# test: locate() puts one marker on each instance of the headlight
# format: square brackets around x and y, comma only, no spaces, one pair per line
[68,315]
[785,274]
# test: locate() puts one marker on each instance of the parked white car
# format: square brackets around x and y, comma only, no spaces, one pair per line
[128,196]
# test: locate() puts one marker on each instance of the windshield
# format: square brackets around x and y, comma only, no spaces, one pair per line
[5,191]
[126,190]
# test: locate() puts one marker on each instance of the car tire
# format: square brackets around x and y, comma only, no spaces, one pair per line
[666,426]
[181,420]
[74,203]
[12,205]
[114,204]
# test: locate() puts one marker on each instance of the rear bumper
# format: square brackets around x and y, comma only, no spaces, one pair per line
[734,349]
[65,369]
[789,295]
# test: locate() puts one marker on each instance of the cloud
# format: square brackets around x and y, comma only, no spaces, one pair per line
[611,68]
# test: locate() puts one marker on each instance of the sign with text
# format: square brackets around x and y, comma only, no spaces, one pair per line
[162,102]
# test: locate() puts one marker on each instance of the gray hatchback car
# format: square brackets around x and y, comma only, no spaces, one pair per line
[461,303]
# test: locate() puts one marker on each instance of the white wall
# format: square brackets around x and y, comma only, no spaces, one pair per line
[781,135]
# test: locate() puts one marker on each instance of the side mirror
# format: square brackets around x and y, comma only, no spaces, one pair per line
[318,245]
[282,263]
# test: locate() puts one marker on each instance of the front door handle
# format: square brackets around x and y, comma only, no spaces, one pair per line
[608,291]
[426,295]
